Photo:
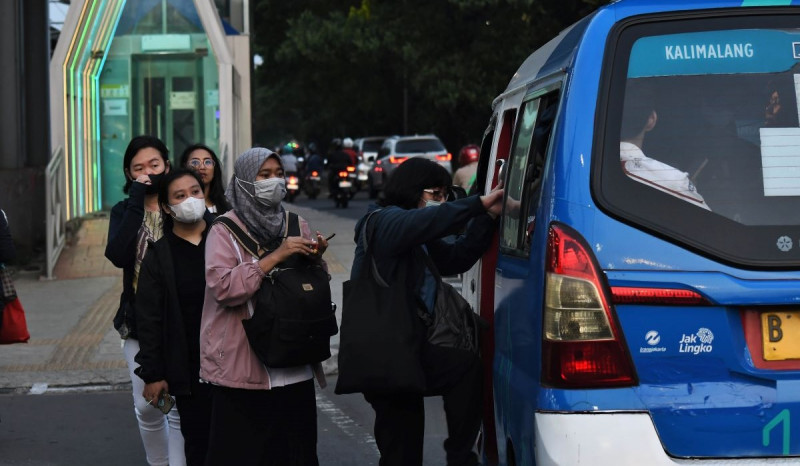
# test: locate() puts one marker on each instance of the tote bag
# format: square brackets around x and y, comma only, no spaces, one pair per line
[14,327]
[381,336]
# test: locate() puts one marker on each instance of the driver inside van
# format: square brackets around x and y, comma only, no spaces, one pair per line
[638,118]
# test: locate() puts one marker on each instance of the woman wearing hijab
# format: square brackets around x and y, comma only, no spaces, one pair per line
[260,415]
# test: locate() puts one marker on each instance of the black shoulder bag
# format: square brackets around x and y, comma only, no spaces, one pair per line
[381,340]
[453,323]
[294,318]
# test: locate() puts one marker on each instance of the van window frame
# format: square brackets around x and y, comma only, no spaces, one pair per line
[718,238]
[530,196]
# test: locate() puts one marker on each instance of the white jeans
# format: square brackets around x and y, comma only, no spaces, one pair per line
[161,435]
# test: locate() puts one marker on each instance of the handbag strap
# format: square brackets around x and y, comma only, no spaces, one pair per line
[431,266]
[365,233]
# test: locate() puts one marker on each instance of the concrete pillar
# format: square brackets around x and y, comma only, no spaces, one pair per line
[24,120]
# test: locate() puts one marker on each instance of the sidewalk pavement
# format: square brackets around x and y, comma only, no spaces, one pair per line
[73,344]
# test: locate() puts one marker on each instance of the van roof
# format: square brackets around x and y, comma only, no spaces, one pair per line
[551,57]
[558,53]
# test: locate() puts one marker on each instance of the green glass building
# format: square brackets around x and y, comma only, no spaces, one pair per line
[175,69]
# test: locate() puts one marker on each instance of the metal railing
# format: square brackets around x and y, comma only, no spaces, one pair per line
[56,209]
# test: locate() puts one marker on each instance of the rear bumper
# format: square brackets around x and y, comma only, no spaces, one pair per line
[612,439]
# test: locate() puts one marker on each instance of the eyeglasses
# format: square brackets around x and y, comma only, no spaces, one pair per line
[437,195]
[196,163]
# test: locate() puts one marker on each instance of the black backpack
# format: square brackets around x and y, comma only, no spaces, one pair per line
[294,318]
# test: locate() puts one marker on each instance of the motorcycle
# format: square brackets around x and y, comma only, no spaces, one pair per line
[292,186]
[342,185]
[353,177]
[311,184]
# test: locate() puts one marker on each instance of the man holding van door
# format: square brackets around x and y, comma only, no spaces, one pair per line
[638,118]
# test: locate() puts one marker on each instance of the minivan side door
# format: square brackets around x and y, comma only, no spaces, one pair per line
[519,275]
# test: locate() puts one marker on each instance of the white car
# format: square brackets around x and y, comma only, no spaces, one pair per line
[397,149]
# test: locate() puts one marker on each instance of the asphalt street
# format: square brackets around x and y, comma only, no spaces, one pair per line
[65,396]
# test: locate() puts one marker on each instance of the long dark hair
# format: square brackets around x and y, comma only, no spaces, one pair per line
[138,143]
[216,190]
[405,185]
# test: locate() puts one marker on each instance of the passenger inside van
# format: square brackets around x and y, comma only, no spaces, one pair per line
[638,118]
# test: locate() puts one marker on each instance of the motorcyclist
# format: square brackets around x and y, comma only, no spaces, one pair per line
[315,160]
[468,162]
[338,160]
[347,144]
[288,159]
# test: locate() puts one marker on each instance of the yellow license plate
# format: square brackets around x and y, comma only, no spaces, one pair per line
[780,333]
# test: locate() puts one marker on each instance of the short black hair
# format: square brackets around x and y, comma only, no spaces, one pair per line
[640,102]
[216,190]
[138,143]
[405,185]
[163,188]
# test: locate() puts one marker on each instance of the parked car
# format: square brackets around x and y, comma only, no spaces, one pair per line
[396,149]
[367,150]
[644,291]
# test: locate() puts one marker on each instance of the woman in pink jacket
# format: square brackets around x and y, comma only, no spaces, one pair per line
[260,415]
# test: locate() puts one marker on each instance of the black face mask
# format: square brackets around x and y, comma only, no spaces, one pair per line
[155,181]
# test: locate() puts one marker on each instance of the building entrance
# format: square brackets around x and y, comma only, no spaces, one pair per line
[168,100]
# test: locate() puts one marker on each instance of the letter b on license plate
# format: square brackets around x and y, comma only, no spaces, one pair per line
[780,334]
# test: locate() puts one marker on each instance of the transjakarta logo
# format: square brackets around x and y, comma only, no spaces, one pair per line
[652,338]
[697,343]
[706,51]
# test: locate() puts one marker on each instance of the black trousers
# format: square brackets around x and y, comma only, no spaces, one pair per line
[195,410]
[400,419]
[275,427]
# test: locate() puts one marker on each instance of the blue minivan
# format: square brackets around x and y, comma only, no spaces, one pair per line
[644,286]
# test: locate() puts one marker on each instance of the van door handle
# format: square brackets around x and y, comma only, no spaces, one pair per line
[472,286]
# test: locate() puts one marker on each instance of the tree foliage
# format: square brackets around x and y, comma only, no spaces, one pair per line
[338,68]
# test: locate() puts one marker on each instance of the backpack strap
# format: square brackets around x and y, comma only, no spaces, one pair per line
[248,243]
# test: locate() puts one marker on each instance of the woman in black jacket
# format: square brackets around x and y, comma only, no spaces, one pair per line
[414,220]
[169,304]
[135,221]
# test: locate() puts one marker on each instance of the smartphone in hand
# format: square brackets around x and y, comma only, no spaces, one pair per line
[165,402]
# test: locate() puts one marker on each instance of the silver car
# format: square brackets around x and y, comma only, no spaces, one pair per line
[396,149]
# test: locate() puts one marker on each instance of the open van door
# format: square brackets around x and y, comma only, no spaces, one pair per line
[478,282]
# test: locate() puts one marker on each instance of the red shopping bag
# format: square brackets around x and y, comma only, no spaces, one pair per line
[14,328]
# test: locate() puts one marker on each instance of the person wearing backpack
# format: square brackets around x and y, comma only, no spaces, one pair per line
[260,415]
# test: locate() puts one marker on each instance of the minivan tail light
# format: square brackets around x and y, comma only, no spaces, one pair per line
[657,296]
[444,158]
[582,345]
[394,159]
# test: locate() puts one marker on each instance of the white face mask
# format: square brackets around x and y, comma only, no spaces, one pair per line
[432,203]
[269,192]
[190,210]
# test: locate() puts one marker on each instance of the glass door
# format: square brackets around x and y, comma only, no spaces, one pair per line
[168,100]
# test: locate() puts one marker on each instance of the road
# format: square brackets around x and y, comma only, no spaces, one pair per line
[98,427]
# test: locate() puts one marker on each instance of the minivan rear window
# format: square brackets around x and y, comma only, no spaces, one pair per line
[419,145]
[702,141]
